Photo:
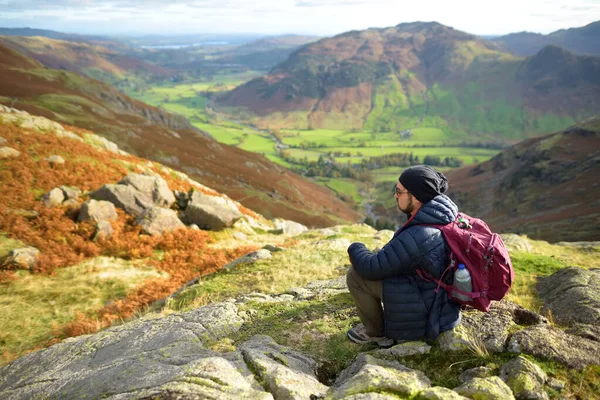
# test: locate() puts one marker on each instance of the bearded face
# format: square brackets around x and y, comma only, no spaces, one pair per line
[407,206]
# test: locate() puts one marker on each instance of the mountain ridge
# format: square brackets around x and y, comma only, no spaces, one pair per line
[581,40]
[460,83]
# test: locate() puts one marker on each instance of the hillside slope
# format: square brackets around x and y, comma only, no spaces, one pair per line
[185,317]
[157,135]
[545,187]
[91,59]
[417,73]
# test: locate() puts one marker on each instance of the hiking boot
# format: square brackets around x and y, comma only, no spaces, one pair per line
[359,335]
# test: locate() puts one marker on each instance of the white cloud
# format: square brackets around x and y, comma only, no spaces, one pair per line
[325,17]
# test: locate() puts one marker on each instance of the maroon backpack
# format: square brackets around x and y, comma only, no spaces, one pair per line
[483,252]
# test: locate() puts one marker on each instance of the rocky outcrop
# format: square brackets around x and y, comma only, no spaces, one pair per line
[164,357]
[24,258]
[104,230]
[70,193]
[288,227]
[249,258]
[157,220]
[572,295]
[551,343]
[525,378]
[97,211]
[60,195]
[492,388]
[43,125]
[55,160]
[438,393]
[147,357]
[211,212]
[250,226]
[488,331]
[404,350]
[53,198]
[154,187]
[125,197]
[285,373]
[8,152]
[516,243]
[477,372]
[587,331]
[368,374]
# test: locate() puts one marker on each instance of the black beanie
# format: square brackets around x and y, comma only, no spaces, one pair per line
[423,182]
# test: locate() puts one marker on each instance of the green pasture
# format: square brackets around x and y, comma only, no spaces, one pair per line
[258,144]
[230,136]
[387,174]
[357,154]
[278,160]
[342,187]
[310,155]
[428,135]
[181,109]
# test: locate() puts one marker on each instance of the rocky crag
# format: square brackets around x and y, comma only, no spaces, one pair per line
[170,357]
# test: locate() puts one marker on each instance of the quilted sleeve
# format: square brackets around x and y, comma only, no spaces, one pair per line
[397,257]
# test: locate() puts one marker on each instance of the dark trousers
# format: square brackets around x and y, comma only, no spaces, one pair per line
[367,296]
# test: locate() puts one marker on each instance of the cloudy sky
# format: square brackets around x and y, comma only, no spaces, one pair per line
[320,17]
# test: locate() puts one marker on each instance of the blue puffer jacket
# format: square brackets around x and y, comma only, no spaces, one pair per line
[412,309]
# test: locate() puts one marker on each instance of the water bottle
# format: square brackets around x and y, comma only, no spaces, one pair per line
[462,281]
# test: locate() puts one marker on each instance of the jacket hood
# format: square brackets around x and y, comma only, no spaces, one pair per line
[438,211]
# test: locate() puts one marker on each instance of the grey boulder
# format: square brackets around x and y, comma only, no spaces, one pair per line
[525,379]
[97,210]
[572,295]
[439,393]
[551,343]
[369,374]
[211,212]
[23,258]
[288,227]
[286,373]
[154,187]
[488,331]
[128,360]
[125,197]
[249,258]
[157,220]
[71,193]
[491,388]
[8,152]
[53,198]
[55,160]
[104,230]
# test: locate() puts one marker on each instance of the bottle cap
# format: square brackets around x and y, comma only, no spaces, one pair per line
[461,266]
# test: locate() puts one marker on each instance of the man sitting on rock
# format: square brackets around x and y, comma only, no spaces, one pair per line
[412,308]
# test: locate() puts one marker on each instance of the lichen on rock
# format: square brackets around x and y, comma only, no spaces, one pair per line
[491,388]
[525,379]
[369,374]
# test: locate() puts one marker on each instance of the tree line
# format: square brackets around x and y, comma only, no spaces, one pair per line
[326,166]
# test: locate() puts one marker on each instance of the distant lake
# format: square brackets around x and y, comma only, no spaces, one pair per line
[182,46]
